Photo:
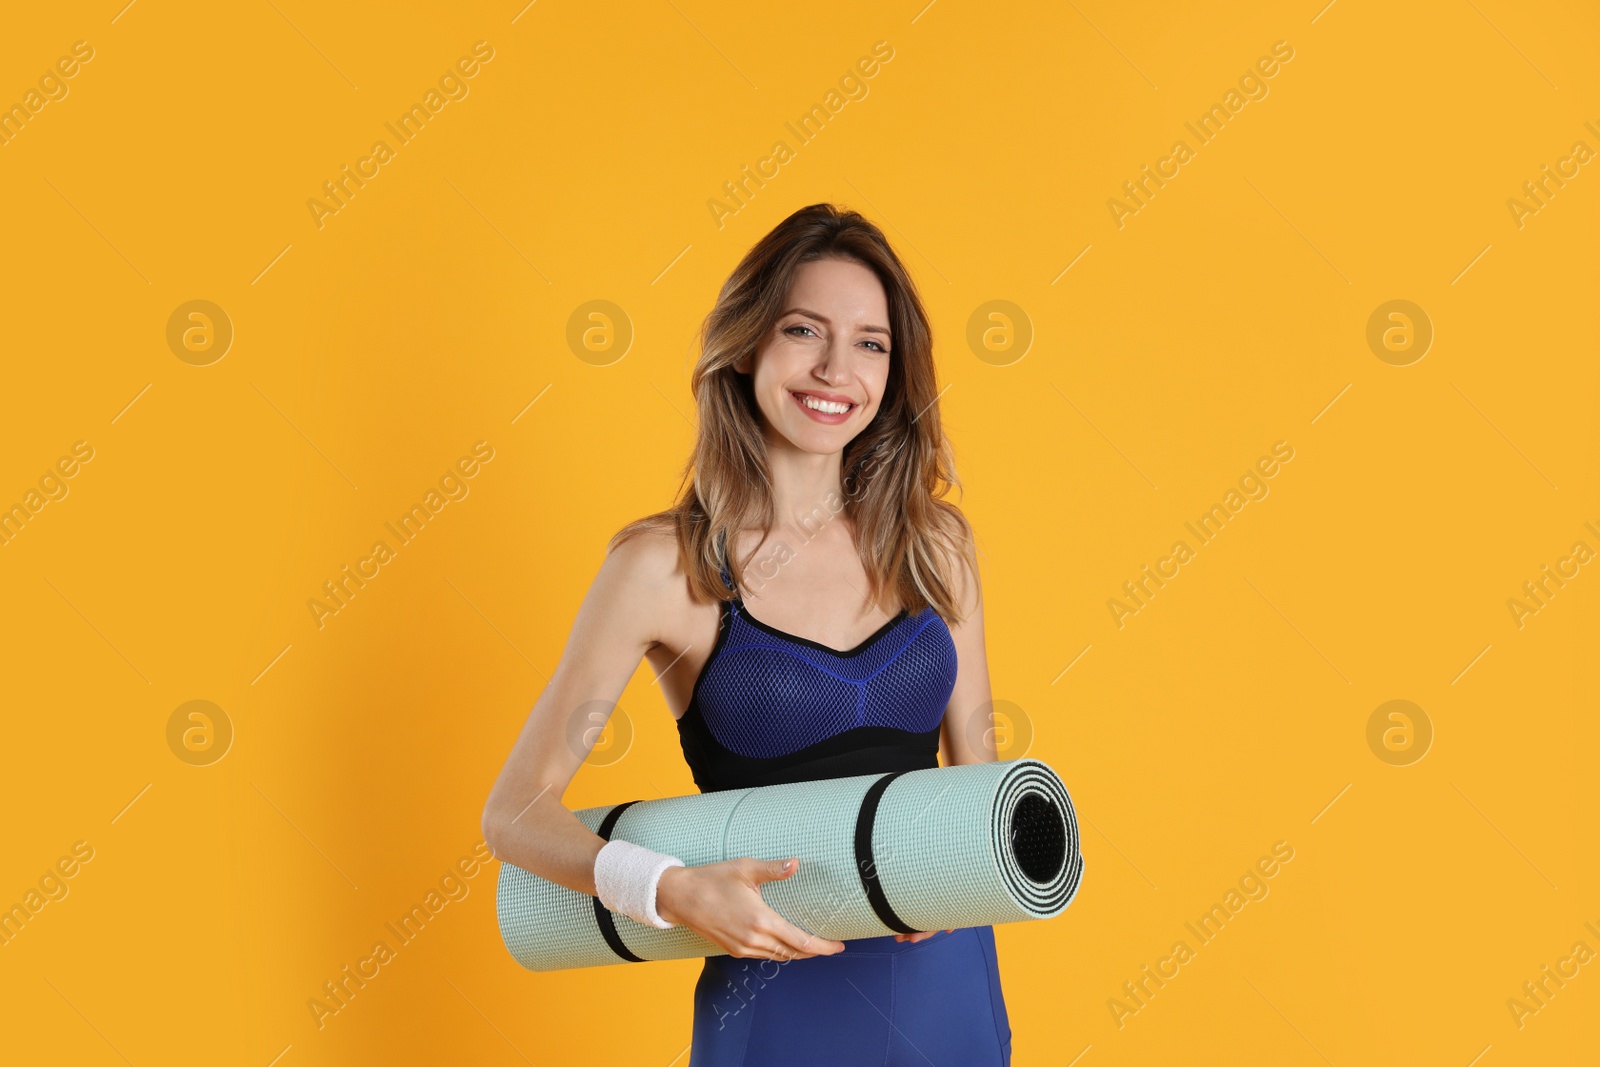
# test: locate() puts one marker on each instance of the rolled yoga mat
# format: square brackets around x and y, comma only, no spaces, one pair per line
[934,849]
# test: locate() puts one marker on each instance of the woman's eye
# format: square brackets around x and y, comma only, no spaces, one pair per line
[802,326]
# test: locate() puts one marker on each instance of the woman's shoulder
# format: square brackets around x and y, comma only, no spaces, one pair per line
[645,551]
[645,557]
[959,543]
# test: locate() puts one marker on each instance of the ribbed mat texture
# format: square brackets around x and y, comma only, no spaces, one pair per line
[935,849]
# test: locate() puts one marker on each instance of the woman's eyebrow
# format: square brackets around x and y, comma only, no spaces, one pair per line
[827,321]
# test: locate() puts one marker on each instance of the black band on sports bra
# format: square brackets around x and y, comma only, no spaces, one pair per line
[602,914]
[864,859]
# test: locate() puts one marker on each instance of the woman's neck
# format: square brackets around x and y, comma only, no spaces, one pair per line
[805,485]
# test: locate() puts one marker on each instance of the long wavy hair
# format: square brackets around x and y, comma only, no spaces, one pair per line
[894,473]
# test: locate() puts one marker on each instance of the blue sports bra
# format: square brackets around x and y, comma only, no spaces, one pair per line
[770,707]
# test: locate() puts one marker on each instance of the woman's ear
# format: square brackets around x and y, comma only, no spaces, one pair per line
[742,364]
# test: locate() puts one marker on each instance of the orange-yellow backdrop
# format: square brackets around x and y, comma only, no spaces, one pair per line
[1145,357]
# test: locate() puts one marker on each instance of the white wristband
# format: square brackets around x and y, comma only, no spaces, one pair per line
[625,879]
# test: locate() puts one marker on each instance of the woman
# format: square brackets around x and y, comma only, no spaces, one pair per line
[821,461]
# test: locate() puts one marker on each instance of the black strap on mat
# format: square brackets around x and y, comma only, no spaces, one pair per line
[602,915]
[865,863]
[864,859]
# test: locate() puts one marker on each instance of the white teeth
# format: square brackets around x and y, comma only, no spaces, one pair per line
[827,407]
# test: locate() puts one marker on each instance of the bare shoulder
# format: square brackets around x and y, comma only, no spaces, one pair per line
[963,558]
[649,555]
[643,570]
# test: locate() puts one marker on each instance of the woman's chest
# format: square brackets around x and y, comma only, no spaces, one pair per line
[761,696]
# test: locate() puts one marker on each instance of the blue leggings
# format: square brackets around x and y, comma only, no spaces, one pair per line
[880,1002]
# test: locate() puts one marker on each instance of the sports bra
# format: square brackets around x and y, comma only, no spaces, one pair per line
[770,708]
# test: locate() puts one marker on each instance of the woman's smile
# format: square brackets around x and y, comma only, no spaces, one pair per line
[830,408]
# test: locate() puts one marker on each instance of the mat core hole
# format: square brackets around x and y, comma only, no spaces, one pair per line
[1038,838]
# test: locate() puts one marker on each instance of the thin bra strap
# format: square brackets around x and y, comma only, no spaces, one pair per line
[727,580]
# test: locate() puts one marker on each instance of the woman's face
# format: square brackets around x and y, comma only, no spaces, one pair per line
[820,374]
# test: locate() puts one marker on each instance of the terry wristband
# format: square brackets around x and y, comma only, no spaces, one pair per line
[625,879]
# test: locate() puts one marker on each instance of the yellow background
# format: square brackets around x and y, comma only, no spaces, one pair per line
[427,314]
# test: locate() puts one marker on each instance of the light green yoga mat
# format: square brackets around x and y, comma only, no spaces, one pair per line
[936,849]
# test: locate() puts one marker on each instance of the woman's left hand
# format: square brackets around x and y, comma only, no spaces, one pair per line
[922,936]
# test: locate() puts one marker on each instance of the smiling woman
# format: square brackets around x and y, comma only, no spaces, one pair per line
[864,654]
[789,360]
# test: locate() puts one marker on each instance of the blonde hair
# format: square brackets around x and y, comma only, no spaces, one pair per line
[894,473]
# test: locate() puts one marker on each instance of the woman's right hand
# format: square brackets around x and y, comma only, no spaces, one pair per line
[722,903]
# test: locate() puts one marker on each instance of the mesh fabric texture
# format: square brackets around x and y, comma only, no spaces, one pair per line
[766,695]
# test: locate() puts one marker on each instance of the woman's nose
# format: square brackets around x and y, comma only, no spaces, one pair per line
[833,368]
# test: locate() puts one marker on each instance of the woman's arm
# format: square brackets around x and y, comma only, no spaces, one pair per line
[967,735]
[524,820]
[638,595]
